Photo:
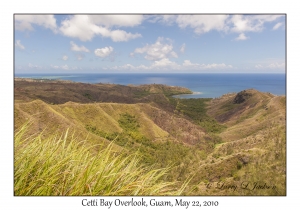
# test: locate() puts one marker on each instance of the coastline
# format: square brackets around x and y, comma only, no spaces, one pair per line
[187,95]
[210,85]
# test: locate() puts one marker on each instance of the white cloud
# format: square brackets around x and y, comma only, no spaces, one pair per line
[79,26]
[166,64]
[242,36]
[225,23]
[75,47]
[241,24]
[182,48]
[122,36]
[157,51]
[189,65]
[277,26]
[127,67]
[65,57]
[63,67]
[85,27]
[117,20]
[202,23]
[25,22]
[19,45]
[103,52]
[253,23]
[274,65]
[217,66]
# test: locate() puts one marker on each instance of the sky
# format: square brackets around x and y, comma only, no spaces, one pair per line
[184,43]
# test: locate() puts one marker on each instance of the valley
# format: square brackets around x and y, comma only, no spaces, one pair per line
[232,145]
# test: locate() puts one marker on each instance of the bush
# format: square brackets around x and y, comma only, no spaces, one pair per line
[239,165]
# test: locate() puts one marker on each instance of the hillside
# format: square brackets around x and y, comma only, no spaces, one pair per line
[59,92]
[233,139]
[255,137]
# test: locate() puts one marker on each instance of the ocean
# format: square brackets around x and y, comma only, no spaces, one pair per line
[202,85]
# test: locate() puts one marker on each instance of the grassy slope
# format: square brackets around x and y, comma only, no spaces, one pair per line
[254,147]
[65,166]
[100,123]
[60,92]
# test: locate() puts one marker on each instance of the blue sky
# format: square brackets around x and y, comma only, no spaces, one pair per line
[149,43]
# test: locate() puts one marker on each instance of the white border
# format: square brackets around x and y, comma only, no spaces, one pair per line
[8,201]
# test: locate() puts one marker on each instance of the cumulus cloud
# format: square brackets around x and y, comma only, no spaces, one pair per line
[103,52]
[242,36]
[25,22]
[65,57]
[182,48]
[165,62]
[157,51]
[253,23]
[225,23]
[75,47]
[79,26]
[199,23]
[277,26]
[19,45]
[202,23]
[85,27]
[121,36]
[188,63]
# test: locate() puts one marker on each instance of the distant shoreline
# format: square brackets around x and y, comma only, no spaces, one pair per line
[201,85]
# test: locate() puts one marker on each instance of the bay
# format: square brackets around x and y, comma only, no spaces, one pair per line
[202,85]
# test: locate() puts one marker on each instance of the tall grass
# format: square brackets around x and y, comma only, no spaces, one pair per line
[66,166]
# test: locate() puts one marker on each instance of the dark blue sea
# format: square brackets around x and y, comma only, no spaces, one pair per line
[203,85]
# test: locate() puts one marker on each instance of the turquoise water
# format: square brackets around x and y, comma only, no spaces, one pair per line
[203,85]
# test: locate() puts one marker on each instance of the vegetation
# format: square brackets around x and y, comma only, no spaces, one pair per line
[195,109]
[87,95]
[139,140]
[152,153]
[65,166]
